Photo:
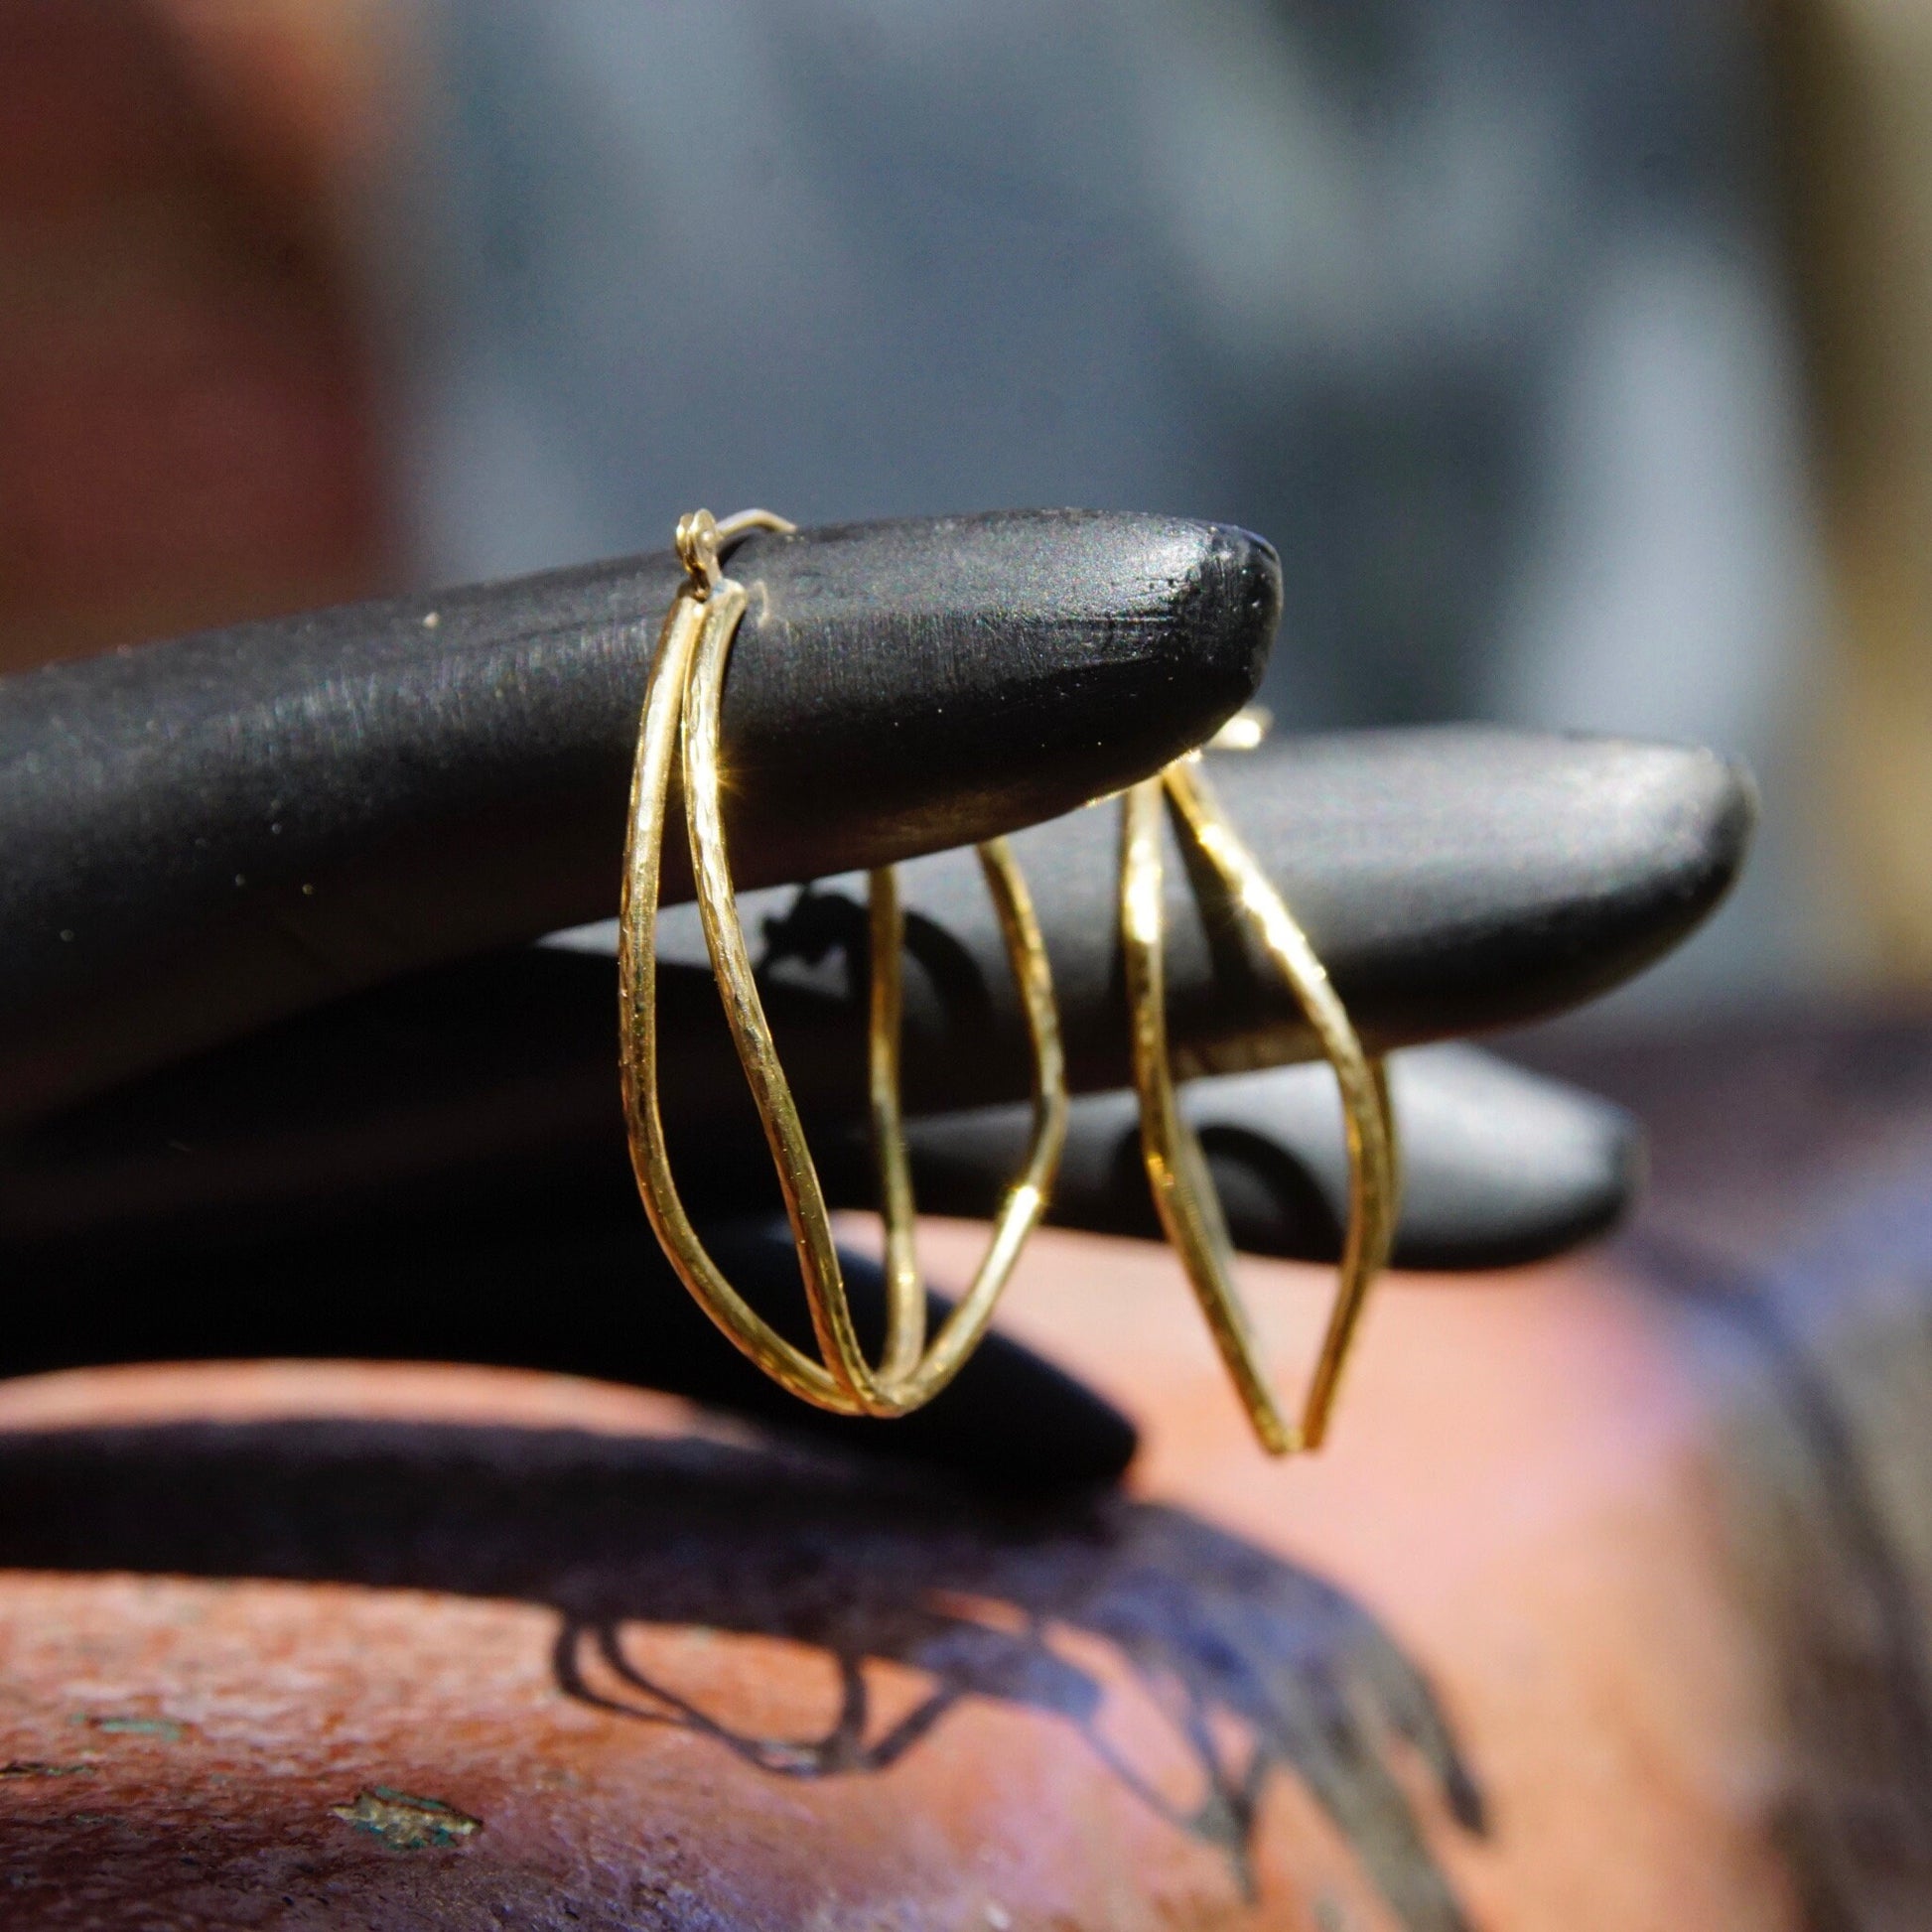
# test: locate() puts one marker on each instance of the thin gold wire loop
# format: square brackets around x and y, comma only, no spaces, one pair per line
[681,721]
[1183,1190]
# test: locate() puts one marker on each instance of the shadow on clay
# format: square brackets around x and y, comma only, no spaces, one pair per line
[1048,1606]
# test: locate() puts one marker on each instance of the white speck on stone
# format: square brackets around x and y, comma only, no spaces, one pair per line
[431,619]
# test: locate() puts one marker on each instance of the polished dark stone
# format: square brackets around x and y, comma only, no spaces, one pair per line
[1499,1166]
[589,1295]
[198,837]
[1453,881]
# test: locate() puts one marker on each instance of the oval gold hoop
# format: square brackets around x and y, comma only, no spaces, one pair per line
[1176,1168]
[681,721]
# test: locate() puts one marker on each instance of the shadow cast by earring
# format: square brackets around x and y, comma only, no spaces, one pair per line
[1046,1610]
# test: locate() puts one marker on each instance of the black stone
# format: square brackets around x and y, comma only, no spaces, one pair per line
[1499,1166]
[199,836]
[583,1297]
[1486,879]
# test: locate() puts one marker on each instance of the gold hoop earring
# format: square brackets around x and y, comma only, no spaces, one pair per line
[680,720]
[1176,1168]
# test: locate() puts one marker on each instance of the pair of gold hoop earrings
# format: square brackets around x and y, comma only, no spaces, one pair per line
[680,727]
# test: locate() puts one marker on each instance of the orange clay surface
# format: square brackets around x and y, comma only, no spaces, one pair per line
[616,1640]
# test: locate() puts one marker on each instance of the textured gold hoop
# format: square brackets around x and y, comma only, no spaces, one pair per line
[1177,1169]
[682,705]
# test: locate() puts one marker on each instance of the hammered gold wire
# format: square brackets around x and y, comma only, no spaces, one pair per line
[681,712]
[1183,1187]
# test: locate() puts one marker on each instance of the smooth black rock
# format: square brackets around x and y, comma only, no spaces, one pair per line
[202,836]
[590,1297]
[1530,872]
[555,1267]
[1499,1166]
[1453,880]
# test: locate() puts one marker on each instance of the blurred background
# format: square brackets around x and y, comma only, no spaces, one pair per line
[1573,357]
